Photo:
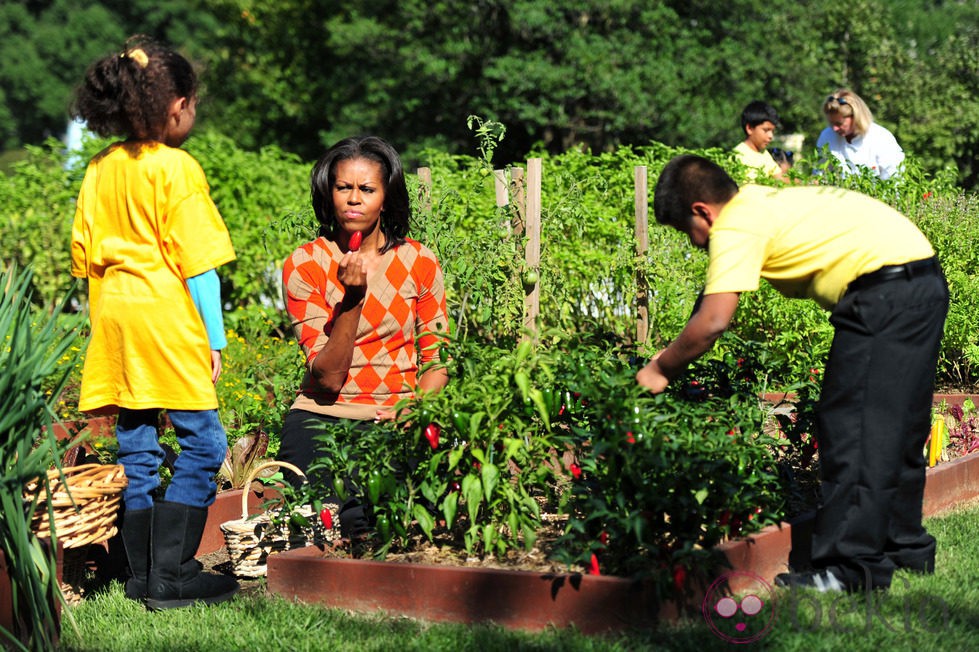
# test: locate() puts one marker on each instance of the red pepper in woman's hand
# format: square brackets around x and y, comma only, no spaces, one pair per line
[432,432]
[355,240]
[326,517]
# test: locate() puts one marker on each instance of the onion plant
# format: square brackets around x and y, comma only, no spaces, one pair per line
[35,341]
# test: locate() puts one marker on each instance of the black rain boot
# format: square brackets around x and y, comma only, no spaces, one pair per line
[136,540]
[176,579]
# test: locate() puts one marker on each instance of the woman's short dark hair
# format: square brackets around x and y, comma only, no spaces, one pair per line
[396,212]
[687,179]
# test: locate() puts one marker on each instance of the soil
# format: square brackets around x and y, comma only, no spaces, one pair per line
[444,550]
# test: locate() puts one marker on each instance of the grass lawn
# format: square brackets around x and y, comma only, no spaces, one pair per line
[938,612]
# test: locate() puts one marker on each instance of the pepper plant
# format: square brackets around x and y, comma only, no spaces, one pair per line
[661,479]
[475,462]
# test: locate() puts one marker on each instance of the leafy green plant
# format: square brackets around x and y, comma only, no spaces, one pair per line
[296,509]
[961,431]
[661,479]
[260,375]
[34,341]
[243,458]
[472,465]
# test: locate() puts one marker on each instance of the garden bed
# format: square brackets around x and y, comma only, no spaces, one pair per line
[536,600]
[431,584]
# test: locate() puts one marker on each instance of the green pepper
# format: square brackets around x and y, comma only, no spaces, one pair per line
[375,482]
[424,416]
[297,521]
[461,421]
[384,528]
[339,487]
[552,401]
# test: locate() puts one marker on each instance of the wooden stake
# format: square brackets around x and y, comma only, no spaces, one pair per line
[533,224]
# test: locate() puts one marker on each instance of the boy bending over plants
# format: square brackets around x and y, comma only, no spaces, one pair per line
[878,275]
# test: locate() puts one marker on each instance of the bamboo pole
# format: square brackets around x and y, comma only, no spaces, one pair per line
[642,246]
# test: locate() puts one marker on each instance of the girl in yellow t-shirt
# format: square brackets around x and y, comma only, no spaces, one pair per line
[148,238]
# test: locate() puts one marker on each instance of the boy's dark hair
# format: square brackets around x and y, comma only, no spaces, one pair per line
[128,93]
[396,214]
[758,112]
[687,179]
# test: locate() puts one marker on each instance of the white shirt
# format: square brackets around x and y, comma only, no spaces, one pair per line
[877,149]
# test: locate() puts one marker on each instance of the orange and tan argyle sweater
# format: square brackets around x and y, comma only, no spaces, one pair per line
[405,301]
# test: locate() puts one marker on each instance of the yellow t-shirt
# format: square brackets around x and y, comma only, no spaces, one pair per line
[144,222]
[807,241]
[757,161]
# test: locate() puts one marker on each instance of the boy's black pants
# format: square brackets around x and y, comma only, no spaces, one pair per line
[873,420]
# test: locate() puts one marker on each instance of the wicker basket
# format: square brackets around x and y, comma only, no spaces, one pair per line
[85,502]
[251,539]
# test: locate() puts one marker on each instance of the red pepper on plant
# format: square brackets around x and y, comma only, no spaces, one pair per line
[326,518]
[432,432]
[679,577]
[575,471]
[593,568]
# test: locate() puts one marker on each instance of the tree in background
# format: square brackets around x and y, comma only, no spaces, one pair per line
[41,54]
[301,74]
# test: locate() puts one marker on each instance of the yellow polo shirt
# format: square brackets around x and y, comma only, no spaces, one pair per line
[807,241]
[144,222]
[756,161]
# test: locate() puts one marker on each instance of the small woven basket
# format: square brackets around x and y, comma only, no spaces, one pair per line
[251,539]
[85,500]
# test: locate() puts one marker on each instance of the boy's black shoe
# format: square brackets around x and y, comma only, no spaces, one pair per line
[824,581]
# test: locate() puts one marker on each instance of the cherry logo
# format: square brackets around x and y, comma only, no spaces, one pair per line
[739,607]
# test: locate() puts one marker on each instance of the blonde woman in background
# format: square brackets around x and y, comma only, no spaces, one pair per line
[855,140]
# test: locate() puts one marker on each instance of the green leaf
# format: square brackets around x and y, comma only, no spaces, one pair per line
[523,382]
[425,520]
[490,475]
[542,410]
[472,491]
[450,506]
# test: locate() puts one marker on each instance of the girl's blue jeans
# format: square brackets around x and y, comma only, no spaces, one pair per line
[203,444]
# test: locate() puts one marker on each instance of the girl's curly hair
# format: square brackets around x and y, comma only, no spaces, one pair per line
[128,93]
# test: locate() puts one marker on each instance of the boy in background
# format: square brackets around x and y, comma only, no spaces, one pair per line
[758,122]
[878,275]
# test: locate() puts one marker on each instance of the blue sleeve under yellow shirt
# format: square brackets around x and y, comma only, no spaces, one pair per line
[808,242]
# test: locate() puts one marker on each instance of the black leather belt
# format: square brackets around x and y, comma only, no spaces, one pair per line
[910,270]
